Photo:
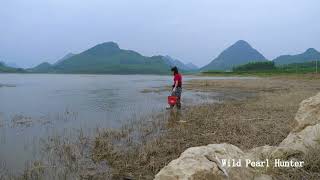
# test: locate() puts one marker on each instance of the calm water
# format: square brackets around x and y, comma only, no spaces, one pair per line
[35,106]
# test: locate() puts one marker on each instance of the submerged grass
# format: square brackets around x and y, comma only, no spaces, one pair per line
[63,158]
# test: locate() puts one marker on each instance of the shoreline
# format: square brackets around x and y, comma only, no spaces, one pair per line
[254,112]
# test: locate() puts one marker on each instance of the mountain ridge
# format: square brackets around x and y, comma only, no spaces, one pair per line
[108,58]
[180,65]
[7,69]
[67,56]
[308,55]
[238,53]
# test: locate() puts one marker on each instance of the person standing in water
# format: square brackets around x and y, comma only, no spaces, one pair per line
[177,86]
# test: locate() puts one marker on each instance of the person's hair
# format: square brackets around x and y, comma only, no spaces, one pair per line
[175,70]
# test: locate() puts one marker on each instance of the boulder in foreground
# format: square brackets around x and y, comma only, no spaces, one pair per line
[207,162]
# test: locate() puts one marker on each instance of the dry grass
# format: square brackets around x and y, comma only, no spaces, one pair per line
[142,149]
[310,171]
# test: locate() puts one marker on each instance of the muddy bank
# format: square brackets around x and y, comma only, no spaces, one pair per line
[264,118]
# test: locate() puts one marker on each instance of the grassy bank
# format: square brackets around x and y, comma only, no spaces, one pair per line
[257,73]
[268,68]
[254,112]
[141,149]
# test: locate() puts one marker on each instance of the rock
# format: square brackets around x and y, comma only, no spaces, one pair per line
[205,162]
[304,140]
[307,133]
[308,113]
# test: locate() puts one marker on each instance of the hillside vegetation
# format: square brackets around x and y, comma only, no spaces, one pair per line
[256,66]
[308,56]
[7,69]
[106,58]
[269,68]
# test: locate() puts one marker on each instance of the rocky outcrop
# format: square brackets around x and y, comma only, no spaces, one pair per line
[308,113]
[209,162]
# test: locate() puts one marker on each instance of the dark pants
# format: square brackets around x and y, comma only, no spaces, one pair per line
[178,93]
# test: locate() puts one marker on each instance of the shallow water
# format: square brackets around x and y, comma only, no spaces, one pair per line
[36,106]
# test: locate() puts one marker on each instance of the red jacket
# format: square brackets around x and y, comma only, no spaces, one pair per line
[177,77]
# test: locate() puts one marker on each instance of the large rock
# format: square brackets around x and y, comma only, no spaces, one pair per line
[306,134]
[308,113]
[206,162]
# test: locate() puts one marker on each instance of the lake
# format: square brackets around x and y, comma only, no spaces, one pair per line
[36,106]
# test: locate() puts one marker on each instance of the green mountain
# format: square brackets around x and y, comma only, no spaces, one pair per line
[67,56]
[12,64]
[47,67]
[308,56]
[41,68]
[6,69]
[191,66]
[108,58]
[180,65]
[239,53]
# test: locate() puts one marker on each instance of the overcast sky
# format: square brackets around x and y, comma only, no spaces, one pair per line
[33,31]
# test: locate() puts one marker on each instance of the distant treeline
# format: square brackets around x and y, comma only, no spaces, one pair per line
[269,67]
[6,69]
[312,66]
[256,66]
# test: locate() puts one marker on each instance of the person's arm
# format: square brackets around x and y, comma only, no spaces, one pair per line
[175,86]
